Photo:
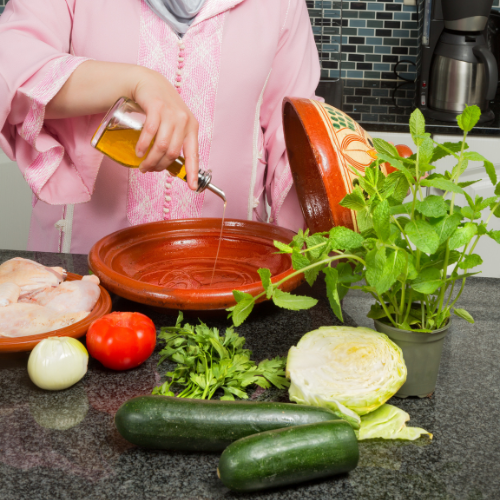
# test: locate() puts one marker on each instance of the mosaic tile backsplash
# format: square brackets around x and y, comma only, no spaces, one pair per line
[363,40]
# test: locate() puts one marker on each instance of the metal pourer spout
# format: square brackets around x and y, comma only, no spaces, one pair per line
[204,178]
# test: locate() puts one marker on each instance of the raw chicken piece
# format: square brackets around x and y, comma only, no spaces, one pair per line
[9,293]
[30,276]
[70,296]
[19,320]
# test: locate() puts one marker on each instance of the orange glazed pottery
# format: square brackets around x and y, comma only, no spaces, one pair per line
[321,142]
[76,330]
[169,264]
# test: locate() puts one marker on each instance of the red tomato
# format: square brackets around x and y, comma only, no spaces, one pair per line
[121,340]
[404,152]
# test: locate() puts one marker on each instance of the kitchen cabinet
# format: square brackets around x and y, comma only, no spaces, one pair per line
[488,147]
[15,206]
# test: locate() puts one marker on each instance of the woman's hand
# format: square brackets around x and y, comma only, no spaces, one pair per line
[96,85]
[170,122]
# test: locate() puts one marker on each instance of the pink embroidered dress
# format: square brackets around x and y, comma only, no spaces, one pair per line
[232,68]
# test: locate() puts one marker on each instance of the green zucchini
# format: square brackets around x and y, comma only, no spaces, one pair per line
[169,423]
[287,456]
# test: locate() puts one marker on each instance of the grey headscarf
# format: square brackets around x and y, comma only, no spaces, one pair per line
[178,14]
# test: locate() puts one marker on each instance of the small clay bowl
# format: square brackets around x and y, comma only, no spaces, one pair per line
[76,330]
[169,264]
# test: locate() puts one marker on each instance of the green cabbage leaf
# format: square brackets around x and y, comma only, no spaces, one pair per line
[388,422]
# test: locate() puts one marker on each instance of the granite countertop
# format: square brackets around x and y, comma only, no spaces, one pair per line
[386,105]
[63,445]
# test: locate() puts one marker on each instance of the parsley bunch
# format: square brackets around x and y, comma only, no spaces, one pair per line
[208,361]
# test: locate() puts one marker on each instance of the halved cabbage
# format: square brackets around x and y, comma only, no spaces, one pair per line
[345,368]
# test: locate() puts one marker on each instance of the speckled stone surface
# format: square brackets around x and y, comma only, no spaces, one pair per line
[64,445]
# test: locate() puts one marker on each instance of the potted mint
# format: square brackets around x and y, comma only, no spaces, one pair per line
[412,257]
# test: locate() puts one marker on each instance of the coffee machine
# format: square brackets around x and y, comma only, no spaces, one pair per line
[455,67]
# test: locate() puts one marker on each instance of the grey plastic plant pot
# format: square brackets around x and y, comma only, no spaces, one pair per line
[422,355]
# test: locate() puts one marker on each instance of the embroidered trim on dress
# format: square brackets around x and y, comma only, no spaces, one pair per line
[46,162]
[192,64]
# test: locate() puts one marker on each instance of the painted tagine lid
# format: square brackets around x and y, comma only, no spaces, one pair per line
[321,142]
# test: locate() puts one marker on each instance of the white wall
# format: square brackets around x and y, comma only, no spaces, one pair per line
[15,206]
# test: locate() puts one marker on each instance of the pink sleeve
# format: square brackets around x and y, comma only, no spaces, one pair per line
[34,64]
[295,73]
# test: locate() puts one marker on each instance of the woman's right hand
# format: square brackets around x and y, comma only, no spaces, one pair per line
[169,121]
[95,85]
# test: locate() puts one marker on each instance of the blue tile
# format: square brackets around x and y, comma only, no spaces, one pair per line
[357,23]
[409,8]
[374,6]
[365,32]
[355,74]
[332,13]
[381,67]
[374,41]
[400,33]
[382,50]
[402,16]
[328,47]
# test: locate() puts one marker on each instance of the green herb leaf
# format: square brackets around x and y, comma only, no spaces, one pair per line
[331,279]
[447,149]
[462,313]
[494,235]
[265,276]
[497,189]
[377,311]
[468,183]
[299,260]
[397,165]
[354,200]
[375,262]
[381,220]
[470,261]
[283,247]
[343,238]
[468,213]
[239,312]
[462,236]
[417,126]
[432,206]
[446,226]
[385,147]
[440,182]
[425,153]
[423,236]
[311,275]
[469,117]
[473,156]
[394,266]
[490,170]
[428,281]
[292,302]
[314,241]
[396,185]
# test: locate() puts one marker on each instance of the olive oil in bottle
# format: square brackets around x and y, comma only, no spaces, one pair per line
[117,138]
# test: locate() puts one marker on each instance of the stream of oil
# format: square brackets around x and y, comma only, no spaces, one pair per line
[220,241]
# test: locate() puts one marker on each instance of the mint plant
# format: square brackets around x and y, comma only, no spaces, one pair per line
[403,251]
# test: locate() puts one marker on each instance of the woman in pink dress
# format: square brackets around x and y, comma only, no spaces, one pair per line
[211,76]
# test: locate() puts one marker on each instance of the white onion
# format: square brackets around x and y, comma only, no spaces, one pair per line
[57,363]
